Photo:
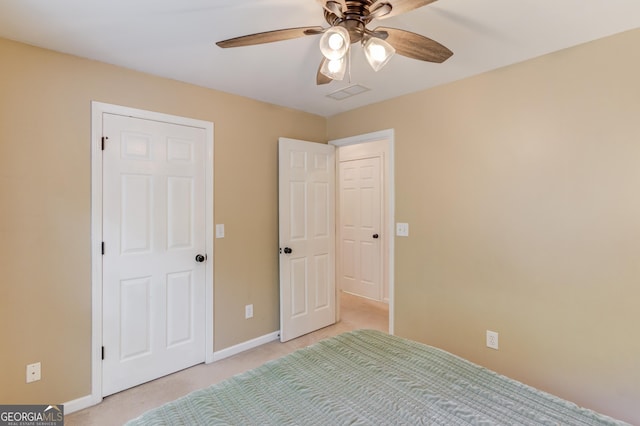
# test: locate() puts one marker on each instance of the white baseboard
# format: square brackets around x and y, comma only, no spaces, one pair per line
[89,400]
[80,404]
[249,344]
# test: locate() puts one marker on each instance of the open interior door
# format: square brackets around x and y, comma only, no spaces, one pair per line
[307,237]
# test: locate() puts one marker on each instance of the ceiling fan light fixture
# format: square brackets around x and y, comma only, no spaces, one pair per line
[334,43]
[378,52]
[348,20]
[334,68]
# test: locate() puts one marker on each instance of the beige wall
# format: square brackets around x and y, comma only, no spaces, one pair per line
[45,263]
[521,187]
[522,190]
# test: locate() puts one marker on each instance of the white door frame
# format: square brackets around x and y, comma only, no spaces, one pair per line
[389,189]
[97,110]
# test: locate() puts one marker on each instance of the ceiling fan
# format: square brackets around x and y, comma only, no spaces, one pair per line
[348,20]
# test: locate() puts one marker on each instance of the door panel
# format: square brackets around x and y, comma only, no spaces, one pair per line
[307,226]
[136,315]
[153,226]
[179,298]
[180,200]
[135,211]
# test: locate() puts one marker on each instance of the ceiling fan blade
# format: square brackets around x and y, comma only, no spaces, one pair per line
[321,78]
[415,46]
[269,36]
[379,10]
[334,6]
[399,6]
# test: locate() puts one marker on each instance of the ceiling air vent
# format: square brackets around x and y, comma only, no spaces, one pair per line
[347,92]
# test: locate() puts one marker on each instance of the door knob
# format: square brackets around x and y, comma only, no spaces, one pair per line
[375,235]
[287,250]
[200,258]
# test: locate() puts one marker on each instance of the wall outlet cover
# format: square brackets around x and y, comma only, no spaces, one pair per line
[492,339]
[33,372]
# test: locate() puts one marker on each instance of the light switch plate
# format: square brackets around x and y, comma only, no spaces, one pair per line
[402,229]
[220,230]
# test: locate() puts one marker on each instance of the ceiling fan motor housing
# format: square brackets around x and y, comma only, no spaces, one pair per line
[354,18]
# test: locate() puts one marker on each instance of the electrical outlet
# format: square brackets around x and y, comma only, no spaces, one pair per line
[248,311]
[492,339]
[33,372]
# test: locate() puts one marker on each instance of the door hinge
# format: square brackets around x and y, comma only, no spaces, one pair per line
[103,248]
[104,139]
[103,352]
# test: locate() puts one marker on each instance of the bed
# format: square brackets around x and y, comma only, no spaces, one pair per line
[367,377]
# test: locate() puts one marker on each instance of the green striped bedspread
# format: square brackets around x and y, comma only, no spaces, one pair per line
[367,377]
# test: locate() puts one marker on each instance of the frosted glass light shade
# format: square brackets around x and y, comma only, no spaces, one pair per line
[334,43]
[378,52]
[334,68]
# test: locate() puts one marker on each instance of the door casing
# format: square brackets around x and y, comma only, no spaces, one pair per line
[97,111]
[387,138]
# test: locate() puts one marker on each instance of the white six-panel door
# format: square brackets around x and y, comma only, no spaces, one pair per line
[307,237]
[153,228]
[361,232]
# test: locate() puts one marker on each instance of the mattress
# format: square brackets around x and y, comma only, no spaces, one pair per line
[367,377]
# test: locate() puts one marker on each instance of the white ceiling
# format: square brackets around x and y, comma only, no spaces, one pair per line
[175,39]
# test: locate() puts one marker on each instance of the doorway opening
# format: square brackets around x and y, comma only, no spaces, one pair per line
[365,220]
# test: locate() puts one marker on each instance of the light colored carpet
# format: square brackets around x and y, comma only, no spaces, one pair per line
[116,409]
